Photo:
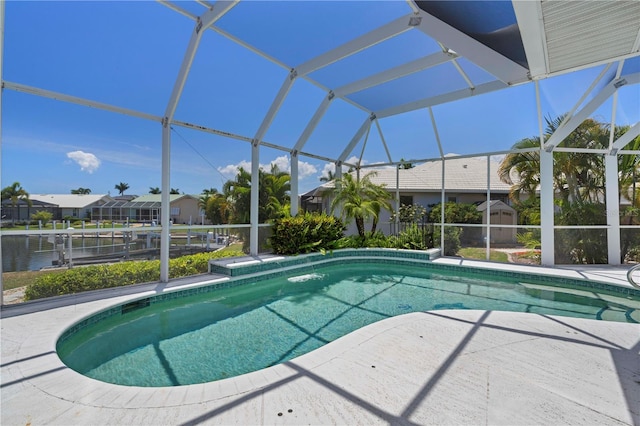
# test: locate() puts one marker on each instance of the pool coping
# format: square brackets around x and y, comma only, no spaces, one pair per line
[237,273]
[34,380]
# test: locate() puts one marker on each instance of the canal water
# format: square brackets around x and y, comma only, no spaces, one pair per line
[32,253]
[22,253]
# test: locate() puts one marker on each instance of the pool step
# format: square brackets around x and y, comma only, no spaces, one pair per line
[616,314]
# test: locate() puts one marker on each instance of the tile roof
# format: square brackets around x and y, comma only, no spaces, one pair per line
[70,201]
[466,174]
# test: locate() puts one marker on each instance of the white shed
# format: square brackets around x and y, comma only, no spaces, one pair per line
[501,214]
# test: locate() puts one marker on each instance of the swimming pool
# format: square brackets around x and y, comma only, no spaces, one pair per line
[210,334]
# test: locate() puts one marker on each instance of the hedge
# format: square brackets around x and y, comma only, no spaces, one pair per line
[96,277]
[306,233]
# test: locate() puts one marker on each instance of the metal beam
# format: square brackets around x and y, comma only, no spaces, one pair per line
[531,25]
[258,52]
[547,231]
[202,23]
[570,125]
[393,28]
[255,156]
[493,62]
[441,99]
[1,96]
[311,125]
[23,88]
[254,207]
[356,138]
[384,142]
[396,72]
[275,106]
[625,139]
[612,197]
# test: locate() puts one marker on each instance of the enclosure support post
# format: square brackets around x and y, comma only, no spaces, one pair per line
[1,95]
[613,208]
[294,183]
[255,182]
[488,242]
[546,208]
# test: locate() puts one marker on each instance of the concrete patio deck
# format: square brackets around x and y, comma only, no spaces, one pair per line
[439,367]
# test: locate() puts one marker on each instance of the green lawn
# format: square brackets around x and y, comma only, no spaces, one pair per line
[49,226]
[12,280]
[481,253]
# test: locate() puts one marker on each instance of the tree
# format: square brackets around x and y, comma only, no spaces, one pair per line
[329,177]
[405,165]
[154,190]
[273,194]
[578,183]
[453,213]
[360,200]
[174,191]
[15,193]
[43,216]
[121,187]
[81,191]
[217,209]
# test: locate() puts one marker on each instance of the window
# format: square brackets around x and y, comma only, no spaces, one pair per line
[406,200]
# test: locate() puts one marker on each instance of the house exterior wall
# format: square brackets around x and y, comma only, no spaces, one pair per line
[185,210]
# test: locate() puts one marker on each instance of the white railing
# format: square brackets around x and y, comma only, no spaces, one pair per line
[630,276]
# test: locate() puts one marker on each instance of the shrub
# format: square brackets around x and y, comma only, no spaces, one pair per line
[451,239]
[42,215]
[306,233]
[377,239]
[97,277]
[414,237]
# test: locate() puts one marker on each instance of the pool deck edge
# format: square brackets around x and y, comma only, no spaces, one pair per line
[438,367]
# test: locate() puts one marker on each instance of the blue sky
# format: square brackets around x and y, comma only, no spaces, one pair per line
[128,54]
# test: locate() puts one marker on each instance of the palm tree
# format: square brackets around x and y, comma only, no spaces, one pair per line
[521,170]
[174,191]
[360,200]
[217,209]
[15,193]
[578,177]
[629,170]
[329,177]
[154,190]
[579,184]
[276,187]
[273,194]
[121,187]
[81,191]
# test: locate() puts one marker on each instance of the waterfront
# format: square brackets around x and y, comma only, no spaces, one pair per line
[22,253]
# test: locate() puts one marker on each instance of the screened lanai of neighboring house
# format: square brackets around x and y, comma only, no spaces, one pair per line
[342,85]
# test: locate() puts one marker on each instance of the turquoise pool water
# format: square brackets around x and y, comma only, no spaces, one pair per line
[232,331]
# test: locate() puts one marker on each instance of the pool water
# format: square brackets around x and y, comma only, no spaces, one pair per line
[237,330]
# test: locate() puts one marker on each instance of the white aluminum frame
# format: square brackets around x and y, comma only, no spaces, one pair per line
[458,44]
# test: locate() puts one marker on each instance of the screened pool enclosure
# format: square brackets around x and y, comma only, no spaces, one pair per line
[348,86]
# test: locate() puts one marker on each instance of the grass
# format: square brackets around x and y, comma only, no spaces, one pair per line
[11,280]
[480,253]
[62,226]
[231,247]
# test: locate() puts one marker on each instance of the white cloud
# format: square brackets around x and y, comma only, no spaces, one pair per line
[230,170]
[281,162]
[306,169]
[88,162]
[328,167]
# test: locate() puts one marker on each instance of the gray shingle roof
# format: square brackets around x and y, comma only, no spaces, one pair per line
[461,175]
